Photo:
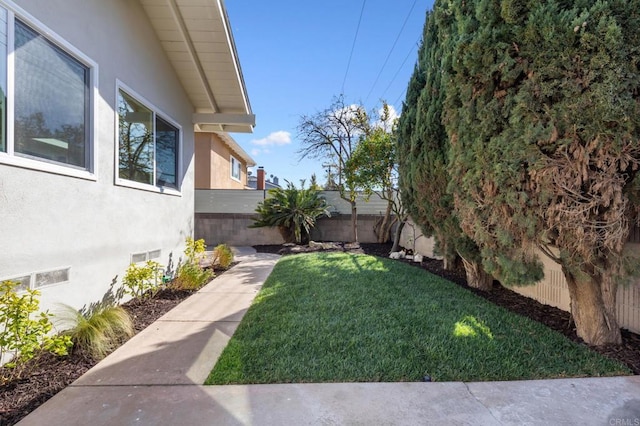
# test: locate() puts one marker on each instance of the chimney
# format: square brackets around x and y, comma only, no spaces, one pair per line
[260,182]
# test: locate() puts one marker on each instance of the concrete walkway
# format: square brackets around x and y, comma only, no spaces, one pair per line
[156,379]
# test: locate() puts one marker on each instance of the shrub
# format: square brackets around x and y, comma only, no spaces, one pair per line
[191,275]
[22,336]
[195,250]
[142,281]
[99,332]
[293,211]
[222,256]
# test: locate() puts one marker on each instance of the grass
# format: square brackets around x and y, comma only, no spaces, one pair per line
[338,317]
[99,332]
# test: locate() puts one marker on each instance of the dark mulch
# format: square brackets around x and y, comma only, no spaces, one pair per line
[628,352]
[49,374]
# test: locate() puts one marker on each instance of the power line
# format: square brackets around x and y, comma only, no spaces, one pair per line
[395,103]
[398,72]
[390,51]
[353,46]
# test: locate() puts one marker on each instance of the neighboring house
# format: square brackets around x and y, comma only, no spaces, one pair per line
[220,162]
[261,182]
[104,100]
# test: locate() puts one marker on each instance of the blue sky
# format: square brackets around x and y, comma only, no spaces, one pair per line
[294,57]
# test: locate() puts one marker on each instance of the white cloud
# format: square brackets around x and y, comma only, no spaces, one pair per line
[278,138]
[259,151]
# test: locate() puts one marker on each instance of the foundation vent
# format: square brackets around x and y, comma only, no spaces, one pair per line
[51,277]
[145,255]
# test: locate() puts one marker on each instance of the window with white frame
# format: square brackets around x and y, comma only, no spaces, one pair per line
[236,168]
[46,97]
[148,145]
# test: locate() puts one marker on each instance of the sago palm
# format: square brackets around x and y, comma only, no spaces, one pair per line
[293,211]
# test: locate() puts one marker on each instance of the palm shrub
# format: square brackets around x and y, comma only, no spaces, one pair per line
[222,256]
[98,332]
[293,211]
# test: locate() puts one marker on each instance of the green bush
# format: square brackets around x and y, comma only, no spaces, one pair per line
[222,256]
[99,332]
[195,250]
[142,281]
[191,275]
[293,211]
[22,336]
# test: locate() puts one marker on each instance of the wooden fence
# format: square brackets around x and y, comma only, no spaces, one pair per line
[552,290]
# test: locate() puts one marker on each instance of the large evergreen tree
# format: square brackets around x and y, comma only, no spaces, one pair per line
[406,156]
[425,176]
[543,115]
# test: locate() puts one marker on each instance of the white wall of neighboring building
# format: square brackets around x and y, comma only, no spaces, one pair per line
[50,221]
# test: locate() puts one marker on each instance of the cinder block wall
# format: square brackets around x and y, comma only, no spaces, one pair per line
[233,229]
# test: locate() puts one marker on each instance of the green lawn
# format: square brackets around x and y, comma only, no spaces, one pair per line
[337,317]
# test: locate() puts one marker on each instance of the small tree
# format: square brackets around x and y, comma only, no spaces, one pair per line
[333,134]
[373,168]
[293,211]
[313,183]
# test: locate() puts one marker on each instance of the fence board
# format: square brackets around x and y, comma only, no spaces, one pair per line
[552,289]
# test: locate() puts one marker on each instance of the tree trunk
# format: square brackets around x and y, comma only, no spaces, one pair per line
[593,308]
[354,221]
[385,226]
[449,257]
[477,277]
[396,237]
[449,263]
[287,234]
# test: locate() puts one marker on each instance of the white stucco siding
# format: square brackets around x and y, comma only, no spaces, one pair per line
[50,221]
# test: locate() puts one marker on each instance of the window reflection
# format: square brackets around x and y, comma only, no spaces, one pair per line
[135,140]
[51,101]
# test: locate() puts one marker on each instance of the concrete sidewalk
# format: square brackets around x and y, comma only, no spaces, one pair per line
[156,379]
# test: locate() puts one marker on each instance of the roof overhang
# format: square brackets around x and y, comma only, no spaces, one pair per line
[196,35]
[233,145]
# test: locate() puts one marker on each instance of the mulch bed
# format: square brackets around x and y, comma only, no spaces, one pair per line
[50,374]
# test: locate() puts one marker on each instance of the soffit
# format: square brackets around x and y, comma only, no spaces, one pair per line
[196,36]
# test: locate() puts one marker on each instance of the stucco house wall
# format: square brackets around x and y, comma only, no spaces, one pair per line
[92,225]
[213,164]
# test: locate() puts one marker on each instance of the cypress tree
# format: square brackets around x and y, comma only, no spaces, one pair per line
[543,116]
[425,172]
[404,152]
